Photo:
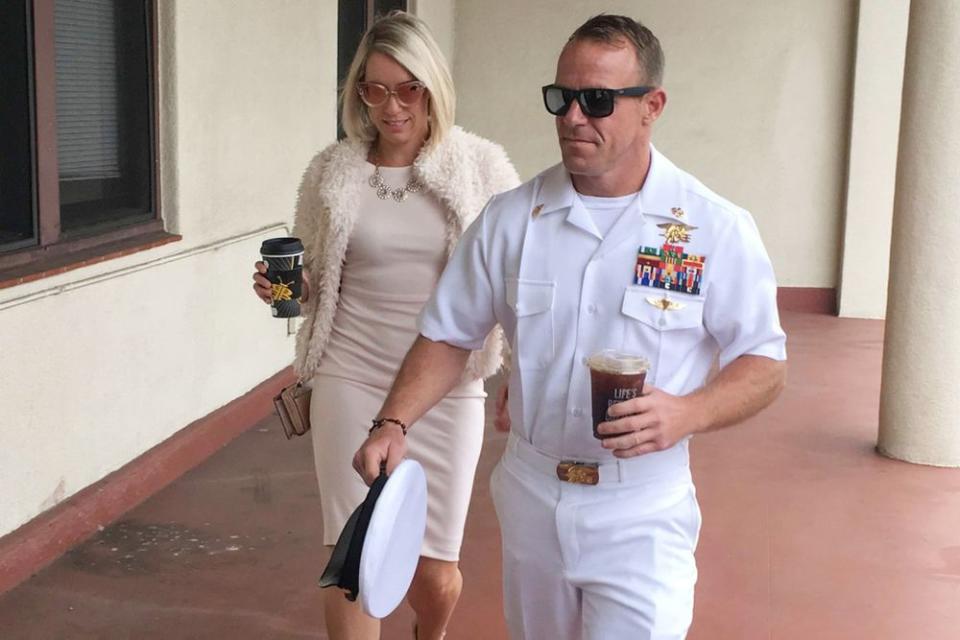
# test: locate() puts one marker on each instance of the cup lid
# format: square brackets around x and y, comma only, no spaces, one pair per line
[614,361]
[377,552]
[281,246]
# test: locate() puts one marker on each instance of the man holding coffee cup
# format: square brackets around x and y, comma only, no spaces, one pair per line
[616,248]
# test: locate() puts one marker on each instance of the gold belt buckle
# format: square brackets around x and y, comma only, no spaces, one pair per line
[579,472]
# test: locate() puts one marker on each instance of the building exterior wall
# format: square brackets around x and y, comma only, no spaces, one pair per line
[104,362]
[440,15]
[758,103]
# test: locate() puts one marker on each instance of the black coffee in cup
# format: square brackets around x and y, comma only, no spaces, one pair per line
[284,259]
[614,377]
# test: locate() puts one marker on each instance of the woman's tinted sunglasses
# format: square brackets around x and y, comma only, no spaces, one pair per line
[595,103]
[375,94]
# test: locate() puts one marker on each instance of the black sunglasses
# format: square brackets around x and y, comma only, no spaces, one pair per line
[595,103]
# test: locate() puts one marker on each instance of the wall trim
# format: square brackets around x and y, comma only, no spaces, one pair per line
[821,300]
[39,542]
[16,301]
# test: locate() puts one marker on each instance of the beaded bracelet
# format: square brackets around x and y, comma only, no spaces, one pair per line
[379,422]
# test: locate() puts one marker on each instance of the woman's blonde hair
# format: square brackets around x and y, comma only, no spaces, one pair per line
[406,39]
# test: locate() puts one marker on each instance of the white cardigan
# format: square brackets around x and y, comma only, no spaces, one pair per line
[463,171]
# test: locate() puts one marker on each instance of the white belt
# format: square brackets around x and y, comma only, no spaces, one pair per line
[671,465]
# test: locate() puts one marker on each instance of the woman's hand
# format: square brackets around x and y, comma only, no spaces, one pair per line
[262,286]
[264,290]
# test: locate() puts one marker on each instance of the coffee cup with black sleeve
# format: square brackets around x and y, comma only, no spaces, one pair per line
[284,260]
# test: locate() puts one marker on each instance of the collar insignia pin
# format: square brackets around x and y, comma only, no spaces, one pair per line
[536,211]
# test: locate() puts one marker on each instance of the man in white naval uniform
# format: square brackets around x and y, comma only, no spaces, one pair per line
[614,248]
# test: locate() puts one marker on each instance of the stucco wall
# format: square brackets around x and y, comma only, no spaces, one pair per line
[102,363]
[440,16]
[758,105]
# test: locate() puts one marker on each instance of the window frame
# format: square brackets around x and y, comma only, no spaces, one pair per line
[348,37]
[52,251]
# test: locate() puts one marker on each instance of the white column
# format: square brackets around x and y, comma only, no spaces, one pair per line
[872,163]
[920,397]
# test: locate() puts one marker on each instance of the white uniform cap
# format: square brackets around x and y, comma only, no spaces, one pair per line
[377,552]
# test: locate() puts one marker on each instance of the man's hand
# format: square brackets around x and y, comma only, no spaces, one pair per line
[501,420]
[428,373]
[386,444]
[740,390]
[653,422]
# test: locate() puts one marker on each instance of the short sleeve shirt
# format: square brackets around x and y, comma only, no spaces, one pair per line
[681,278]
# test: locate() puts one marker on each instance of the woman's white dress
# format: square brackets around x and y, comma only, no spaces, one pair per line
[394,258]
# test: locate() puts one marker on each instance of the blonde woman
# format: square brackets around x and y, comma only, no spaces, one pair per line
[379,214]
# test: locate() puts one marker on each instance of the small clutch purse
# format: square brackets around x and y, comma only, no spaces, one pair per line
[293,407]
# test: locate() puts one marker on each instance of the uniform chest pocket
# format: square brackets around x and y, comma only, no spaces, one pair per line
[663,313]
[661,331]
[532,303]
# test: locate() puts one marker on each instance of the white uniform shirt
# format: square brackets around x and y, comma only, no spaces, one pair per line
[534,262]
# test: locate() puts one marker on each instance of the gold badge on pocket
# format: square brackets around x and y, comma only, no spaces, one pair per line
[665,304]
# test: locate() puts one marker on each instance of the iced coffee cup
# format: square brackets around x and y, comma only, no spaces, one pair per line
[614,377]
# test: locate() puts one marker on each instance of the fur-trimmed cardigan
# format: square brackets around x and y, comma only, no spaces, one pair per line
[463,171]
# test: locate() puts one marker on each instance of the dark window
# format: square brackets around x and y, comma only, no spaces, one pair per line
[17,222]
[77,158]
[103,113]
[355,17]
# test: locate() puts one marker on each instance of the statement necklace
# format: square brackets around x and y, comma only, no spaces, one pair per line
[399,193]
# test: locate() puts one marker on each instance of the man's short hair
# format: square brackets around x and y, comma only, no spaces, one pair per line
[613,30]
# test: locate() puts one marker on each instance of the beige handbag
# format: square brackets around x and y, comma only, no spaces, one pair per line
[293,407]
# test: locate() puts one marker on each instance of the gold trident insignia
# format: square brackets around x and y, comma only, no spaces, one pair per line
[675,233]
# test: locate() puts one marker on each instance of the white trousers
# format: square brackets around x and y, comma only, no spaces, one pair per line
[595,562]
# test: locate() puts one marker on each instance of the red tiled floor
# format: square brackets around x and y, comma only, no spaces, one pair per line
[808,534]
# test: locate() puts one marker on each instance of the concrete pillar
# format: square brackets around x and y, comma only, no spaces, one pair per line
[920,398]
[872,163]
